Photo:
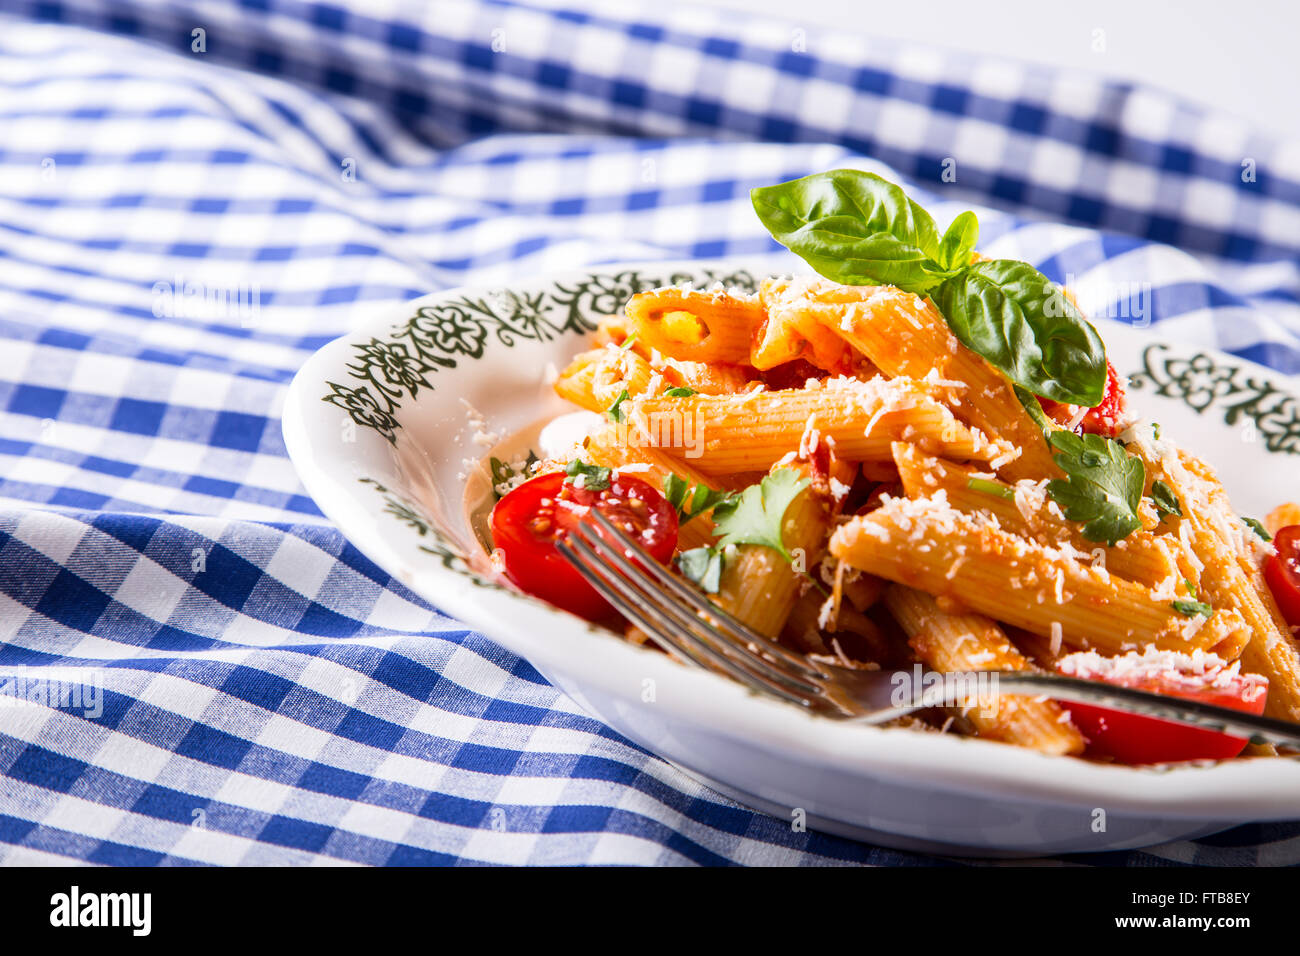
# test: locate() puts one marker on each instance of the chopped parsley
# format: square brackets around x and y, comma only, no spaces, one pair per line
[994,488]
[1165,500]
[502,472]
[757,514]
[590,477]
[702,566]
[1035,411]
[616,410]
[1104,487]
[1192,608]
[1256,527]
[688,503]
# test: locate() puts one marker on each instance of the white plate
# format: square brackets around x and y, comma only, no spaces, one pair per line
[377,426]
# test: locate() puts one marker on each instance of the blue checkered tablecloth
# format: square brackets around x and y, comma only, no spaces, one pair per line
[254,689]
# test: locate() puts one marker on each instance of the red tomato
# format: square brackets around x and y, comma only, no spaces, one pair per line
[1103,419]
[792,374]
[1282,572]
[527,522]
[1135,739]
[894,489]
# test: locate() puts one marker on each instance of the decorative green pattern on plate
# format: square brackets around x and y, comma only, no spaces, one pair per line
[1203,383]
[441,336]
[443,548]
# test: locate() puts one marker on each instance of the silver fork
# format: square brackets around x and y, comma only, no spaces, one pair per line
[685,623]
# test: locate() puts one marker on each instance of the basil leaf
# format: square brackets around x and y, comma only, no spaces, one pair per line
[1009,313]
[959,241]
[855,228]
[681,392]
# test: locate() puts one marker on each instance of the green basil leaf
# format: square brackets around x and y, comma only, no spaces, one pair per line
[1009,313]
[855,228]
[959,241]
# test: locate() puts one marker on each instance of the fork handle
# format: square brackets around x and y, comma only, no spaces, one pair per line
[954,691]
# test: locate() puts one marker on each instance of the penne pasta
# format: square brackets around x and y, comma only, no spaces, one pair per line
[929,545]
[969,642]
[759,586]
[696,326]
[903,335]
[1025,509]
[753,430]
[1229,572]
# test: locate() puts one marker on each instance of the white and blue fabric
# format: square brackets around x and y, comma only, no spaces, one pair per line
[197,668]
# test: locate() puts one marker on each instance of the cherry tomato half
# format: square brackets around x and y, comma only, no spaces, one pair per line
[1105,417]
[1135,739]
[1282,572]
[527,522]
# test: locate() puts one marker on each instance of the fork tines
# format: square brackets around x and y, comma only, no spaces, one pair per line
[679,619]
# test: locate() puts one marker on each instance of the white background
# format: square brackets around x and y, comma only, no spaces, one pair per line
[1235,56]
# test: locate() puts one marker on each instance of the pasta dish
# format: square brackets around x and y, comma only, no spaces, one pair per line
[918,457]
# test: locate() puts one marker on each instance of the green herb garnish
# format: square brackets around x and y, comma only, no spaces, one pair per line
[690,504]
[680,392]
[994,488]
[1192,608]
[756,515]
[590,477]
[1165,500]
[858,229]
[503,472]
[702,567]
[1104,487]
[616,410]
[1256,527]
[1035,411]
